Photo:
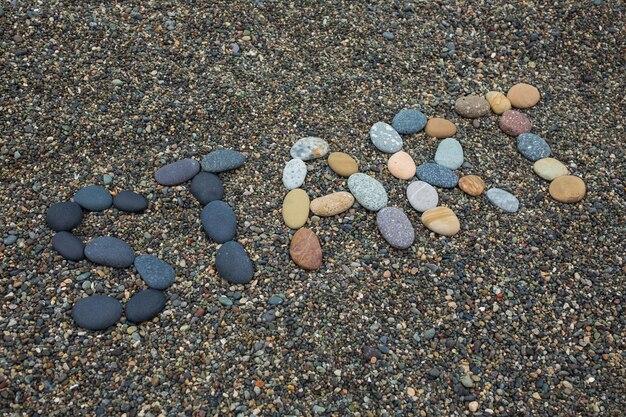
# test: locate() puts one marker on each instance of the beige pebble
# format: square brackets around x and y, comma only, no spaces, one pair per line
[296,208]
[342,164]
[472,185]
[401,165]
[332,204]
[550,168]
[441,220]
[498,102]
[473,406]
[568,189]
[523,96]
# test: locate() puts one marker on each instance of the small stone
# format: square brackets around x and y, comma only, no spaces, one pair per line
[369,352]
[498,102]
[410,391]
[503,199]
[430,334]
[107,179]
[225,301]
[385,138]
[395,227]
[296,208]
[93,198]
[207,187]
[130,202]
[64,216]
[222,160]
[472,106]
[440,128]
[342,164]
[441,220]
[401,165]
[11,239]
[514,123]
[532,146]
[449,153]
[219,222]
[332,204]
[409,121]
[309,148]
[437,175]
[472,185]
[550,168]
[368,192]
[568,189]
[473,406]
[294,173]
[156,273]
[110,251]
[96,312]
[117,82]
[422,196]
[305,249]
[275,300]
[233,264]
[68,246]
[466,381]
[145,305]
[523,96]
[177,172]
[388,35]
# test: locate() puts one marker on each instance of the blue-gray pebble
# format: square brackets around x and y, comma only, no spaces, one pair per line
[222,160]
[177,172]
[96,312]
[207,187]
[409,121]
[368,192]
[68,246]
[437,175]
[64,216]
[145,305]
[395,227]
[532,146]
[155,272]
[130,202]
[233,264]
[219,222]
[449,153]
[93,198]
[110,251]
[503,199]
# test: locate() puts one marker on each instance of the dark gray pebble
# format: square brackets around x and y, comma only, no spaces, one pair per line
[233,263]
[97,312]
[156,273]
[110,251]
[222,160]
[64,216]
[437,175]
[207,187]
[219,222]
[145,305]
[177,172]
[69,246]
[130,202]
[93,198]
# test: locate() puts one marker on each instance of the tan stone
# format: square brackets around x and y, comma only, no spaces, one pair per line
[401,165]
[440,128]
[498,102]
[523,96]
[568,189]
[550,168]
[332,204]
[472,185]
[441,220]
[305,249]
[342,164]
[296,208]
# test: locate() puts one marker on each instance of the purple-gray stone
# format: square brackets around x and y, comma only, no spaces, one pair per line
[395,227]
[177,172]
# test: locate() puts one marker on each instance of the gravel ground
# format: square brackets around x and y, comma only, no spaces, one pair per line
[518,314]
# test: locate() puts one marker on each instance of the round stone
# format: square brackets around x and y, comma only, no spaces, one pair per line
[441,220]
[568,189]
[207,187]
[222,160]
[422,196]
[437,175]
[401,165]
[64,216]
[368,192]
[69,246]
[532,146]
[294,173]
[96,312]
[440,128]
[514,123]
[498,102]
[177,172]
[110,251]
[145,305]
[342,164]
[449,153]
[503,199]
[309,148]
[296,208]
[385,138]
[219,222]
[305,249]
[523,96]
[130,202]
[395,227]
[332,204]
[472,185]
[550,168]
[93,198]
[155,272]
[233,264]
[409,121]
[472,106]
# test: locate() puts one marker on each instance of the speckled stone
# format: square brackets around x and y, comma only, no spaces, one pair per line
[145,305]
[206,187]
[155,272]
[130,202]
[385,138]
[550,168]
[68,246]
[219,222]
[472,106]
[296,208]
[514,123]
[401,165]
[294,173]
[368,192]
[472,185]
[110,251]
[437,175]
[93,198]
[233,264]
[96,312]
[422,196]
[523,96]
[332,204]
[342,164]
[449,153]
[177,172]
[309,148]
[222,160]
[568,189]
[440,128]
[441,220]
[409,121]
[64,216]
[532,146]
[395,227]
[503,199]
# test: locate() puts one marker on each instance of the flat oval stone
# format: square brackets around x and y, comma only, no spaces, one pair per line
[409,121]
[449,153]
[342,164]
[385,138]
[332,204]
[395,227]
[130,202]
[64,216]
[69,246]
[294,173]
[222,160]
[440,128]
[550,168]
[437,175]
[309,148]
[503,199]
[368,192]
[422,196]
[296,208]
[532,146]
[177,172]
[514,123]
[219,222]
[233,264]
[145,305]
[568,189]
[93,198]
[523,95]
[207,187]
[155,272]
[305,249]
[110,251]
[96,312]
[442,221]
[401,165]
[498,102]
[472,106]
[472,185]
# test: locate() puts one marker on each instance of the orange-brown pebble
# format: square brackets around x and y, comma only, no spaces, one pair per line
[305,249]
[523,96]
[472,185]
[440,128]
[568,189]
